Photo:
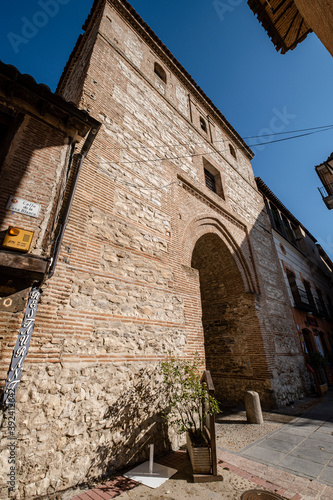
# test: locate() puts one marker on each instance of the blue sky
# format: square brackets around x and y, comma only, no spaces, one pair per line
[230,56]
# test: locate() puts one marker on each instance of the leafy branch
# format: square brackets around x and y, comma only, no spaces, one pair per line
[188,399]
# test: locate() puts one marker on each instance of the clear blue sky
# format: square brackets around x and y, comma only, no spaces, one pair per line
[233,60]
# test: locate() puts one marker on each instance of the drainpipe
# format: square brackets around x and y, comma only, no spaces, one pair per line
[63,225]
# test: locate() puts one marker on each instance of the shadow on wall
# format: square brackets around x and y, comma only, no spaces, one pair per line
[135,420]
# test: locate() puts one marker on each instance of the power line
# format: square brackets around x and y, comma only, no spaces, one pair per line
[126,162]
[289,138]
[290,132]
[315,129]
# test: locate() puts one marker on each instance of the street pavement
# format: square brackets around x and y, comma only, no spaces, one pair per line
[303,447]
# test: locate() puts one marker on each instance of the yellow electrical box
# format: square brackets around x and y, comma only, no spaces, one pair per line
[18,239]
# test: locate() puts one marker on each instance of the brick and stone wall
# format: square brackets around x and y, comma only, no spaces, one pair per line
[152,263]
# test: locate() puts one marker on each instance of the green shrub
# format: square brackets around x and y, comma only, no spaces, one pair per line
[189,402]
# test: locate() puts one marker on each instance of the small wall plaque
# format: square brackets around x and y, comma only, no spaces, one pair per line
[24,207]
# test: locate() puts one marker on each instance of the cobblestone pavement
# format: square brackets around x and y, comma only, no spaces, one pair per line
[290,454]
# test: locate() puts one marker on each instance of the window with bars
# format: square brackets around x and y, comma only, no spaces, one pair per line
[212,178]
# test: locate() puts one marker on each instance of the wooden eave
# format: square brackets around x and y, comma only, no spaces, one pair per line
[282,21]
[21,92]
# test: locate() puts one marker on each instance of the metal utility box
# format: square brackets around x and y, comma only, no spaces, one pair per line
[18,239]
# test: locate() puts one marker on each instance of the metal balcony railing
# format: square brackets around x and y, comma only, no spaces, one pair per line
[326,190]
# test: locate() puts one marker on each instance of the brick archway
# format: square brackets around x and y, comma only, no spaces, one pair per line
[229,320]
[236,242]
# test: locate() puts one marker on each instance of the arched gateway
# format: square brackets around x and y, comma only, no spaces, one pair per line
[232,337]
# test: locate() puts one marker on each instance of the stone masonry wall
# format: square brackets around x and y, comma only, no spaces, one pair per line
[125,294]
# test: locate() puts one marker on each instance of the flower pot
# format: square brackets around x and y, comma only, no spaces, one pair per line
[200,457]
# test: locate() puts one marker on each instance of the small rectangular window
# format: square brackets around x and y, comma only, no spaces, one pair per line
[232,151]
[213,179]
[210,181]
[203,124]
[160,72]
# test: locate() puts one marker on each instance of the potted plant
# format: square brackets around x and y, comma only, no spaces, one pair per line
[189,404]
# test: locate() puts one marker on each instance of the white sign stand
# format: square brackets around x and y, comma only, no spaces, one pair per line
[149,473]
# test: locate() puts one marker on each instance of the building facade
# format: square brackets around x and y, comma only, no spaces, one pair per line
[308,274]
[325,174]
[167,250]
[43,140]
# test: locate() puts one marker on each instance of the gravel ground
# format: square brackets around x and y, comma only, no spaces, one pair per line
[233,432]
[181,487]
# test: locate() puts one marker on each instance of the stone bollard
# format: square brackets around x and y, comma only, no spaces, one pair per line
[253,408]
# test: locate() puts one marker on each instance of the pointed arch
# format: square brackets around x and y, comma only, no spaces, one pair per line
[240,250]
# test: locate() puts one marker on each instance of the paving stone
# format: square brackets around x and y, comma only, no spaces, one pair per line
[326,428]
[321,442]
[299,431]
[277,444]
[288,436]
[265,455]
[306,468]
[310,453]
[327,475]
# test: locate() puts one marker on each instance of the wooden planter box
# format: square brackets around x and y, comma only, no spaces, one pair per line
[323,388]
[200,457]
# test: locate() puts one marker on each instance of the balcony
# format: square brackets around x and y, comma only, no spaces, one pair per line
[327,195]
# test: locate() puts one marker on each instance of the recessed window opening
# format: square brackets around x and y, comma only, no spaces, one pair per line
[213,179]
[160,72]
[232,150]
[203,124]
[210,180]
